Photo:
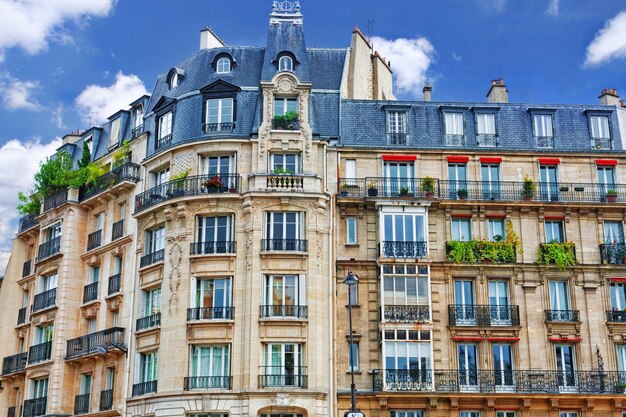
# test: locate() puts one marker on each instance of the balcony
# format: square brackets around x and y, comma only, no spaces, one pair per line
[106,400]
[212,248]
[40,353]
[613,253]
[163,142]
[81,404]
[152,258]
[137,131]
[11,411]
[397,138]
[94,240]
[604,144]
[91,343]
[406,313]
[276,376]
[454,140]
[49,248]
[284,182]
[283,311]
[148,322]
[115,283]
[210,313]
[412,250]
[90,292]
[616,316]
[402,380]
[35,407]
[560,254]
[118,230]
[208,382]
[388,187]
[487,141]
[544,142]
[190,186]
[55,200]
[287,245]
[568,316]
[483,315]
[26,268]
[285,124]
[144,388]
[474,251]
[127,172]
[21,315]
[27,222]
[15,363]
[209,128]
[44,300]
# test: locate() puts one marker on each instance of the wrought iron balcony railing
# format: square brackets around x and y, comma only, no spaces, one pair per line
[118,230]
[602,143]
[190,186]
[406,313]
[27,222]
[115,283]
[562,315]
[11,411]
[126,172]
[616,316]
[106,400]
[55,200]
[15,363]
[90,292]
[26,268]
[162,142]
[391,249]
[94,240]
[143,388]
[35,407]
[290,245]
[483,315]
[88,344]
[210,313]
[388,187]
[39,353]
[137,131]
[49,248]
[454,140]
[148,322]
[544,142]
[276,376]
[21,315]
[81,404]
[211,248]
[613,253]
[218,127]
[152,258]
[487,141]
[208,382]
[277,310]
[44,300]
[402,380]
[397,138]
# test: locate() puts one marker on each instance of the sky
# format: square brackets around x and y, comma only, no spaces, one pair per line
[69,64]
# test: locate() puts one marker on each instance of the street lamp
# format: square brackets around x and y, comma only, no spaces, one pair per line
[351,280]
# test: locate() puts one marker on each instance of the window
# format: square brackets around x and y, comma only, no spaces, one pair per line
[174,80]
[457,179]
[285,163]
[353,360]
[506,414]
[137,119]
[407,361]
[565,366]
[109,379]
[165,130]
[486,124]
[219,114]
[606,180]
[43,334]
[161,177]
[543,130]
[39,388]
[89,142]
[100,221]
[353,295]
[468,366]
[403,235]
[219,164]
[285,296]
[350,168]
[405,290]
[499,312]
[115,131]
[490,174]
[212,298]
[600,132]
[91,326]
[116,318]
[285,63]
[209,367]
[397,127]
[496,230]
[155,240]
[284,105]
[621,361]
[618,296]
[223,66]
[461,230]
[85,384]
[613,232]
[559,296]
[285,231]
[407,413]
[398,178]
[215,234]
[47,282]
[464,312]
[549,186]
[53,232]
[568,414]
[454,129]
[351,226]
[152,302]
[283,365]
[503,365]
[470,414]
[554,231]
[148,367]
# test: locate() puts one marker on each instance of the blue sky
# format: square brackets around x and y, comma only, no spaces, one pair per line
[64,63]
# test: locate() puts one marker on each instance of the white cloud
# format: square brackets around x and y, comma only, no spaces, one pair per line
[104,101]
[56,117]
[30,24]
[456,56]
[19,160]
[17,94]
[410,60]
[609,43]
[553,8]
[494,6]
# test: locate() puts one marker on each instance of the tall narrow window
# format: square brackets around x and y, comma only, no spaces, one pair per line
[213,299]
[285,63]
[219,115]
[285,231]
[155,240]
[565,366]
[215,234]
[148,367]
[606,180]
[285,296]
[464,311]
[404,235]
[353,365]
[397,127]
[283,365]
[350,169]
[152,302]
[503,365]
[490,174]
[209,367]
[457,179]
[543,130]
[486,130]
[223,65]
[164,135]
[454,129]
[468,366]
[600,132]
[549,185]
[115,131]
[499,311]
[461,229]
[554,231]
[351,227]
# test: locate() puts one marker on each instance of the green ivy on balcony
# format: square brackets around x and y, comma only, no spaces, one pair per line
[480,251]
[561,254]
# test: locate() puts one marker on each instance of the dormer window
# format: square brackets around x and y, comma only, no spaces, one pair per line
[600,132]
[285,63]
[174,77]
[223,66]
[173,81]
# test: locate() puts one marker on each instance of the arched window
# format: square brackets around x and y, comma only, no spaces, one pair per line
[173,81]
[285,63]
[223,65]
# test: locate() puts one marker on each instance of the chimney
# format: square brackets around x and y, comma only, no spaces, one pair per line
[71,137]
[428,92]
[498,92]
[209,40]
[609,97]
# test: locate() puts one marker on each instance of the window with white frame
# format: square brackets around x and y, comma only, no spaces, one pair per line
[223,65]
[174,79]
[39,388]
[219,114]
[599,127]
[486,124]
[151,302]
[495,230]
[285,163]
[43,334]
[617,293]
[52,232]
[165,125]
[47,282]
[89,142]
[284,296]
[137,118]
[212,298]
[214,234]
[91,326]
[218,165]
[506,414]
[161,176]
[284,230]
[403,234]
[283,365]
[396,122]
[461,229]
[353,295]
[148,367]
[350,169]
[353,360]
[543,130]
[115,131]
[285,63]
[405,290]
[621,361]
[351,231]
[209,366]
[554,231]
[454,123]
[94,274]
[404,351]
[407,413]
[155,240]
[284,105]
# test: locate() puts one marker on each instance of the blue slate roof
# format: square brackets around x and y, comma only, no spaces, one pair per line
[326,67]
[286,37]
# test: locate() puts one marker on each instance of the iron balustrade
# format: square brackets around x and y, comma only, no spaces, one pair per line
[143,388]
[88,344]
[152,258]
[562,315]
[210,313]
[118,230]
[90,292]
[11,411]
[218,127]
[402,380]
[49,248]
[35,407]
[276,376]
[163,142]
[55,200]
[39,353]
[613,253]
[454,140]
[211,248]
[284,182]
[544,142]
[81,404]
[207,382]
[483,315]
[291,245]
[106,400]
[21,315]
[190,186]
[616,316]
[28,221]
[126,172]
[277,310]
[115,283]
[602,143]
[26,268]
[406,313]
[281,124]
[148,322]
[44,300]
[137,130]
[390,249]
[94,240]
[15,363]
[397,138]
[487,141]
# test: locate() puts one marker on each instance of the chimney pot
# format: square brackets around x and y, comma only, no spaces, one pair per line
[609,97]
[497,92]
[428,92]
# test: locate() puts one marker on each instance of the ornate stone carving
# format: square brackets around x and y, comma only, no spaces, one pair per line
[285,85]
[175,258]
[282,400]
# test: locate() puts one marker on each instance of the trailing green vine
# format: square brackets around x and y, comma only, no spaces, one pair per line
[481,251]
[560,254]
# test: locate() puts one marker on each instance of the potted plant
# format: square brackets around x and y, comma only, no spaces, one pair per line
[345,188]
[178,183]
[287,121]
[611,196]
[461,193]
[428,186]
[372,190]
[528,188]
[213,184]
[403,192]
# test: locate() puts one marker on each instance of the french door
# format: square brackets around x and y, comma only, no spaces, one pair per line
[464,302]
[468,368]
[491,181]
[499,310]
[565,365]
[399,178]
[549,182]
[503,366]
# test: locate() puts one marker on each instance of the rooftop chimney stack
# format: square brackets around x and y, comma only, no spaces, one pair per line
[498,92]
[609,97]
[209,40]
[428,92]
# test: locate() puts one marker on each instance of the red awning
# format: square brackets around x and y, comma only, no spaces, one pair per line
[549,161]
[618,279]
[458,158]
[490,160]
[565,339]
[393,157]
[606,162]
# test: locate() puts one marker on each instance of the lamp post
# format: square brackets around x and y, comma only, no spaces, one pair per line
[351,280]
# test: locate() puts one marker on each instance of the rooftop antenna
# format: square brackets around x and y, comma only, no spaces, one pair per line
[370,32]
[90,117]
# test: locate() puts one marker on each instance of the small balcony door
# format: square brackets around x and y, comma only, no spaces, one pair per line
[549,182]
[621,362]
[503,367]
[464,300]
[617,291]
[214,294]
[398,177]
[565,365]
[44,334]
[606,180]
[457,175]
[109,379]
[53,232]
[47,282]
[490,174]
[284,291]
[403,236]
[559,296]
[209,366]
[215,234]
[152,302]
[406,364]
[283,364]
[284,230]
[85,384]
[499,310]
[468,367]
[148,367]
[39,388]
[613,233]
